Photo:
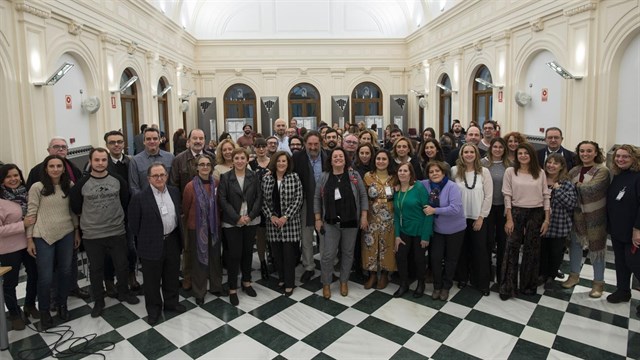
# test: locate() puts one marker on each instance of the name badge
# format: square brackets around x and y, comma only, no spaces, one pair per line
[388,191]
[337,195]
[164,210]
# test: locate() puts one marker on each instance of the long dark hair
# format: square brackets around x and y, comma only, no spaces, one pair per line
[534,166]
[423,157]
[392,168]
[357,162]
[4,172]
[65,181]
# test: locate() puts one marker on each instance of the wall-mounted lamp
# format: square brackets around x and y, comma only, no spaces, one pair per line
[187,95]
[446,89]
[57,75]
[126,85]
[561,71]
[488,84]
[163,92]
[419,92]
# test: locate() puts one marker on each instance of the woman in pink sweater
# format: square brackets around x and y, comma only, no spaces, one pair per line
[13,244]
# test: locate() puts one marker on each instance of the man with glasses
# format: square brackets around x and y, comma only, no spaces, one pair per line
[154,218]
[553,138]
[141,162]
[272,145]
[350,145]
[488,133]
[183,169]
[58,146]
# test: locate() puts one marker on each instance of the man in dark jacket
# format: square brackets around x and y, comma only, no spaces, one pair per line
[553,138]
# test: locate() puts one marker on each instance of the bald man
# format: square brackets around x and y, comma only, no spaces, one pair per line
[280,126]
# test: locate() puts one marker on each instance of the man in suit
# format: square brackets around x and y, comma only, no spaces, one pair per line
[553,138]
[154,217]
[473,137]
[308,165]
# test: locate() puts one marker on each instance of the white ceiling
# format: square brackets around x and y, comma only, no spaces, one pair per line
[311,19]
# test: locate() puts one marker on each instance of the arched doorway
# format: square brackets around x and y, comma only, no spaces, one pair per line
[129,106]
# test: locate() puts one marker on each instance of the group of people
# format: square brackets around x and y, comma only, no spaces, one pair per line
[435,214]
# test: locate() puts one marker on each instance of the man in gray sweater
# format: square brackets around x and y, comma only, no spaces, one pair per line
[100,199]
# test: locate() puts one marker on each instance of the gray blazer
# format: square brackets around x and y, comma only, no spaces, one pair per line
[357,186]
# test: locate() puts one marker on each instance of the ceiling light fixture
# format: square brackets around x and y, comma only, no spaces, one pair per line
[561,71]
[57,75]
[488,84]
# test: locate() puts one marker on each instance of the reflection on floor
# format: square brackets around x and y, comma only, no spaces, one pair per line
[367,324]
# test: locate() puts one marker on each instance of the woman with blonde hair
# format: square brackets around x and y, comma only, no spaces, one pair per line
[224,159]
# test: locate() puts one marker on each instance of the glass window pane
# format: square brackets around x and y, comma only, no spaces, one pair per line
[296,110]
[311,110]
[481,109]
[248,111]
[131,132]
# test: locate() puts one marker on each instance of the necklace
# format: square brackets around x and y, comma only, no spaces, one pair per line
[475,178]
[400,201]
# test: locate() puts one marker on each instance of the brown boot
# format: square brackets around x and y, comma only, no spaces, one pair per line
[383,281]
[186,283]
[326,291]
[597,289]
[573,280]
[17,323]
[344,289]
[371,282]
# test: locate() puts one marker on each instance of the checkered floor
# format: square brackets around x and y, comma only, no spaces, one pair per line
[367,324]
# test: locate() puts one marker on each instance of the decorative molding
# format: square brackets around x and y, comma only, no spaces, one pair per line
[442,58]
[75,28]
[106,37]
[537,25]
[477,45]
[367,70]
[582,8]
[33,10]
[238,72]
[502,35]
[132,47]
[163,61]
[303,71]
[456,52]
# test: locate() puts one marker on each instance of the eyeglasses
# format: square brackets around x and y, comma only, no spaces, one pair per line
[351,142]
[59,147]
[115,142]
[158,176]
[272,143]
[204,165]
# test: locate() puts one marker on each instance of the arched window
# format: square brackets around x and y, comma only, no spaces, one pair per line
[445,104]
[239,109]
[482,97]
[129,105]
[366,100]
[304,105]
[163,113]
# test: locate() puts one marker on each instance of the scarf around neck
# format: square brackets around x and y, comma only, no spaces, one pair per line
[206,218]
[18,196]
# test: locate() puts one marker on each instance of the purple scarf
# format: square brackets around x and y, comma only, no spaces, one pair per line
[206,218]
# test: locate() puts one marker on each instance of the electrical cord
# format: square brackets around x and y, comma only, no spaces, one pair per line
[80,345]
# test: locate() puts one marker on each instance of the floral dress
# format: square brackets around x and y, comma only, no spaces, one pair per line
[378,240]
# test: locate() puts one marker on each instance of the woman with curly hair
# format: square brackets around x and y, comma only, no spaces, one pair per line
[591,178]
[513,139]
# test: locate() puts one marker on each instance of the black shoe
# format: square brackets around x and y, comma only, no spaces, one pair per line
[504,297]
[152,319]
[485,292]
[288,293]
[176,309]
[560,274]
[549,284]
[306,276]
[31,310]
[199,301]
[462,284]
[233,299]
[219,293]
[46,321]
[249,291]
[419,289]
[264,270]
[98,306]
[110,289]
[401,290]
[63,313]
[80,293]
[129,299]
[528,292]
[619,296]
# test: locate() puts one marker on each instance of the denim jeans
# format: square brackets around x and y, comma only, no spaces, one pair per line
[59,253]
[575,259]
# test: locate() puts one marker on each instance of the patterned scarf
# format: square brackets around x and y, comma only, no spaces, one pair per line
[206,218]
[18,196]
[436,188]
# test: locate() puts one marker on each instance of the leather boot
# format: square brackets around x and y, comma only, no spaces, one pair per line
[344,289]
[404,287]
[63,313]
[46,321]
[573,280]
[383,281]
[419,289]
[264,270]
[326,291]
[597,289]
[371,282]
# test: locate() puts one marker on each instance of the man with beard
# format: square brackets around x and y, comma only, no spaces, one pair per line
[330,139]
[458,133]
[295,144]
[246,140]
[183,169]
[100,199]
[473,137]
[280,126]
[308,165]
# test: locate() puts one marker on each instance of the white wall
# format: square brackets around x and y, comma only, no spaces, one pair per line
[539,114]
[71,123]
[628,124]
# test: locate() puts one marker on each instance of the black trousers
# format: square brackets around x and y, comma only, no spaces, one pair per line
[97,249]
[200,273]
[162,275]
[132,257]
[445,251]
[284,257]
[626,264]
[551,253]
[473,257]
[403,259]
[496,236]
[11,279]
[239,252]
